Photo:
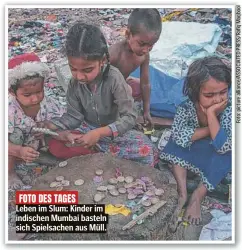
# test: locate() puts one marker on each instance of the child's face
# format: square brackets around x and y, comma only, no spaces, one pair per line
[85,70]
[141,43]
[213,92]
[30,93]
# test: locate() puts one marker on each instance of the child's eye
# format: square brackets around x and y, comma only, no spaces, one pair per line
[141,43]
[27,95]
[88,70]
[208,95]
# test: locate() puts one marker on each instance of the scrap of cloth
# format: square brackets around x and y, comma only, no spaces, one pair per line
[219,228]
[112,210]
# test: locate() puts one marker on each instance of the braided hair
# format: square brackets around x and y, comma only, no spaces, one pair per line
[200,71]
[87,41]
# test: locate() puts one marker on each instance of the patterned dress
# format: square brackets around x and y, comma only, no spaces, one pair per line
[132,145]
[18,120]
[211,159]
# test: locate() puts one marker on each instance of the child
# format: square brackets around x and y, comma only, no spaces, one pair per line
[143,31]
[26,106]
[99,104]
[201,133]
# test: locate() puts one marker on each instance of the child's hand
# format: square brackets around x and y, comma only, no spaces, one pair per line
[28,154]
[217,108]
[204,110]
[148,120]
[89,139]
[66,136]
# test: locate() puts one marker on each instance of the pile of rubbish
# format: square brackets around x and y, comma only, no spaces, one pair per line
[43,31]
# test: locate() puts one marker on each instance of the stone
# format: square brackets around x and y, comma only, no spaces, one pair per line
[98,197]
[159,191]
[59,188]
[79,182]
[62,164]
[146,203]
[99,172]
[122,190]
[55,184]
[114,192]
[110,187]
[120,179]
[65,183]
[153,228]
[102,188]
[154,200]
[129,179]
[113,181]
[132,196]
[60,178]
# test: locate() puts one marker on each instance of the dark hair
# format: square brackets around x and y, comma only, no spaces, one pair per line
[150,19]
[87,41]
[16,86]
[200,71]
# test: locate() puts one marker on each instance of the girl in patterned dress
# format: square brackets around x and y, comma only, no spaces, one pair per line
[27,105]
[201,136]
[99,103]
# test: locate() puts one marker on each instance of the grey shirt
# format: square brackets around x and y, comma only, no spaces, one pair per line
[111,104]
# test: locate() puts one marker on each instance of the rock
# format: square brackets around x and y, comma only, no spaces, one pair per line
[153,228]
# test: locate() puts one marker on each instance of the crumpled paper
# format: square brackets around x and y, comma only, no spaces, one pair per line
[219,228]
[113,210]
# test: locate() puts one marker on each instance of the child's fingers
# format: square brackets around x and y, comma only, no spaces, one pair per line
[29,158]
[38,135]
[32,152]
[78,138]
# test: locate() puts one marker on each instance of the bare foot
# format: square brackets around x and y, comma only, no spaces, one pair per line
[14,182]
[193,211]
[174,220]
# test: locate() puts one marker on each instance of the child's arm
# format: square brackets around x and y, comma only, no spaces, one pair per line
[145,89]
[200,133]
[183,133]
[126,112]
[221,132]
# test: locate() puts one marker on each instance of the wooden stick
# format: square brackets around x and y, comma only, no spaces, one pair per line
[149,212]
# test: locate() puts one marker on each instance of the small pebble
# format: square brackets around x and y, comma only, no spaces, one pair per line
[59,188]
[79,182]
[62,164]
[55,184]
[120,179]
[59,178]
[65,183]
[110,187]
[99,172]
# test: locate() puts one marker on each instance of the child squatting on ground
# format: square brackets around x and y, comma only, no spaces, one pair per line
[201,133]
[99,103]
[27,105]
[143,31]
